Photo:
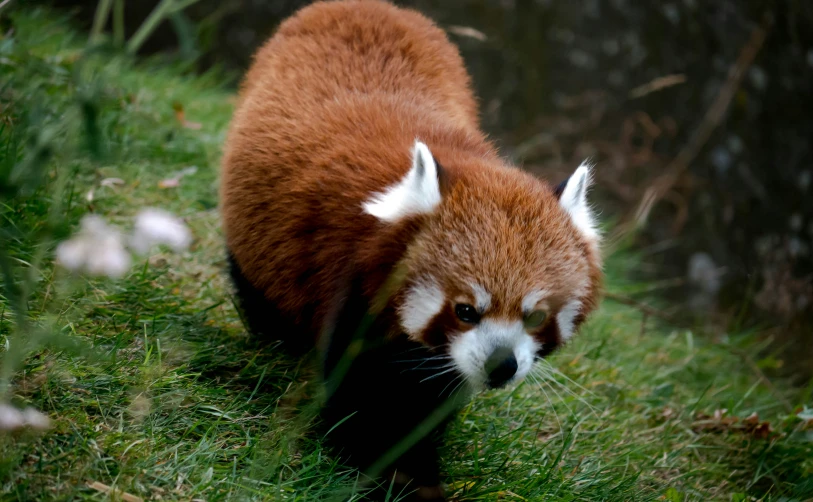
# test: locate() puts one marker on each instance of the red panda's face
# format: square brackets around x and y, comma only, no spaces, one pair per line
[503,271]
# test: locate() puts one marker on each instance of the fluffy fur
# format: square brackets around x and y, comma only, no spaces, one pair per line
[363,206]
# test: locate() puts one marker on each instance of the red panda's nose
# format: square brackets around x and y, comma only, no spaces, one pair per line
[501,366]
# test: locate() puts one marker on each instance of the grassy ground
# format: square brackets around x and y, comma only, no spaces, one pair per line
[162,396]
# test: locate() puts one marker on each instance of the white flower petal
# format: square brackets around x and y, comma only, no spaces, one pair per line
[71,253]
[97,249]
[109,258]
[10,418]
[94,225]
[36,419]
[155,227]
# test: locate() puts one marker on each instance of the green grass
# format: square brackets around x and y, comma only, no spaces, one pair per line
[163,396]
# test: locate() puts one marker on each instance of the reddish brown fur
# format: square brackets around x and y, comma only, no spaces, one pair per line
[327,116]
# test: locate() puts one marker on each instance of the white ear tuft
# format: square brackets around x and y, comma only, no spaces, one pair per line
[574,201]
[417,193]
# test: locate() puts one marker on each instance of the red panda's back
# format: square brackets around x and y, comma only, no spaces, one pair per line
[361,46]
[326,117]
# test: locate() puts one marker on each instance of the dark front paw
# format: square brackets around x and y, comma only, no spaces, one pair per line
[430,494]
[403,488]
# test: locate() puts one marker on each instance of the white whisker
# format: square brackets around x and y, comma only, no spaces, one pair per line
[544,374]
[553,407]
[550,367]
[424,359]
[451,368]
[462,381]
[460,377]
[547,382]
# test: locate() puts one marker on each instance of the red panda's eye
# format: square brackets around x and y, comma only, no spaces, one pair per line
[467,313]
[535,319]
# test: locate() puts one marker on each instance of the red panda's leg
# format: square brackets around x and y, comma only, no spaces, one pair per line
[388,403]
[417,473]
[373,412]
[261,318]
[384,404]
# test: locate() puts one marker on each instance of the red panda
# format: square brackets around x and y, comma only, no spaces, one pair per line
[354,156]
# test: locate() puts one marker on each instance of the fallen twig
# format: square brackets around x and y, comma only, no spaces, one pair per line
[712,119]
[103,488]
[644,318]
[657,84]
[467,31]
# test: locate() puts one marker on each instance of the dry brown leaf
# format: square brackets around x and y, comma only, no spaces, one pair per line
[720,423]
[169,183]
[762,431]
[111,182]
[103,488]
[753,426]
[180,115]
[717,422]
[179,111]
[175,180]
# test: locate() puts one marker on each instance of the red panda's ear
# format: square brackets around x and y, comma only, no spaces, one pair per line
[572,196]
[444,179]
[418,192]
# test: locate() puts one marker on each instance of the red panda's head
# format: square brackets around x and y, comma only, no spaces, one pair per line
[504,267]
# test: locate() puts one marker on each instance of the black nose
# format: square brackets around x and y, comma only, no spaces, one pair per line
[500,367]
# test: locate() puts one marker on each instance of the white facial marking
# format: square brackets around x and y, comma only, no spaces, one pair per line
[417,193]
[469,355]
[471,349]
[532,299]
[574,201]
[423,301]
[566,317]
[481,297]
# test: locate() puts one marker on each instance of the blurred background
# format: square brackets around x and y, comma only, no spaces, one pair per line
[697,114]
